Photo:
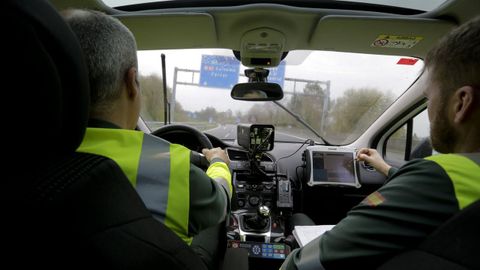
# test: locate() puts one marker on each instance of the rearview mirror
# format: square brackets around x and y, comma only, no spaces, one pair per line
[257,91]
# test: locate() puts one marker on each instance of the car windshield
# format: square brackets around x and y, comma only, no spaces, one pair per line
[338,95]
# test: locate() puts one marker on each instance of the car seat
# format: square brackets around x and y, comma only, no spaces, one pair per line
[62,209]
[453,246]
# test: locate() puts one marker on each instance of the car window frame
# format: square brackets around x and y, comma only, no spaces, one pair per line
[380,141]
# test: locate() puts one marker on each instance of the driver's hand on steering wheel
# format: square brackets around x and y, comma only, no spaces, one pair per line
[217,152]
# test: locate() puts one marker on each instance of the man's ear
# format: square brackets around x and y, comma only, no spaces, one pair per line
[131,83]
[464,102]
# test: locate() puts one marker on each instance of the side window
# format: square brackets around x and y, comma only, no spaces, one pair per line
[396,143]
[412,140]
[421,146]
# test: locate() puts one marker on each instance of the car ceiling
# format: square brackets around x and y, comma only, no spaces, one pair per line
[300,28]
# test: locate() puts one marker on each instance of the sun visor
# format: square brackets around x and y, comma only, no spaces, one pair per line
[172,31]
[378,35]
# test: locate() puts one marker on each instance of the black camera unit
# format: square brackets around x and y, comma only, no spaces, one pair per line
[256,138]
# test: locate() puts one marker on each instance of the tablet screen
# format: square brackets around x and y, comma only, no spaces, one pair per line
[331,165]
[334,167]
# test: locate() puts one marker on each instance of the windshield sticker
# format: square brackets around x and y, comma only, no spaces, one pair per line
[397,42]
[407,61]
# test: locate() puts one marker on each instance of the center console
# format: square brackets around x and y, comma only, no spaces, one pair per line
[262,200]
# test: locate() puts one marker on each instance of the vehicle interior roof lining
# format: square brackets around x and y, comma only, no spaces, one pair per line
[334,33]
[172,31]
[346,34]
[461,8]
[223,27]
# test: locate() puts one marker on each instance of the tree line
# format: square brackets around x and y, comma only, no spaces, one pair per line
[345,116]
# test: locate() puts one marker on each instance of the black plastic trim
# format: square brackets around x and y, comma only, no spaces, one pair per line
[327,4]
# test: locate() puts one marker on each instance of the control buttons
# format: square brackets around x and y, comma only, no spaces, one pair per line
[284,187]
[241,203]
[256,249]
[268,186]
[261,250]
[253,200]
[273,251]
[257,187]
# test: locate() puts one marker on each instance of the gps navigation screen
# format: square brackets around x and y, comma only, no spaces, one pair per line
[335,167]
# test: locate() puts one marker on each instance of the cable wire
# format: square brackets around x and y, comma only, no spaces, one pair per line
[305,142]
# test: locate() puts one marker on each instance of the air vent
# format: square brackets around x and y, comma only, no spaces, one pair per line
[237,155]
[240,155]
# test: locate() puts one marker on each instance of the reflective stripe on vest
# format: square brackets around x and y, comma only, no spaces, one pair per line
[464,174]
[220,172]
[157,169]
[179,192]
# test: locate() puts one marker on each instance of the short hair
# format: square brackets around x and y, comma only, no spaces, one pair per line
[110,50]
[455,59]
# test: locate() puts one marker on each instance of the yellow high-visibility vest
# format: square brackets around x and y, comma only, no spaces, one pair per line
[157,169]
[464,174]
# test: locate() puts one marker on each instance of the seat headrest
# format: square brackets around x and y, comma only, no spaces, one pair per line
[47,81]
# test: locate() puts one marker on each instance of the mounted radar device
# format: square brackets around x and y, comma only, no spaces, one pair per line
[255,137]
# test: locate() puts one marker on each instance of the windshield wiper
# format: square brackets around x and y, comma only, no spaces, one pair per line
[300,119]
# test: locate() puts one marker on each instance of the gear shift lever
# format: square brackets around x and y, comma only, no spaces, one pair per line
[263,212]
[260,220]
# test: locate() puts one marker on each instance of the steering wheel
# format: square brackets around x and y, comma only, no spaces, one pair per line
[196,158]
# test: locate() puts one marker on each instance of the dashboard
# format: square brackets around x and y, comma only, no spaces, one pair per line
[288,159]
[283,178]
